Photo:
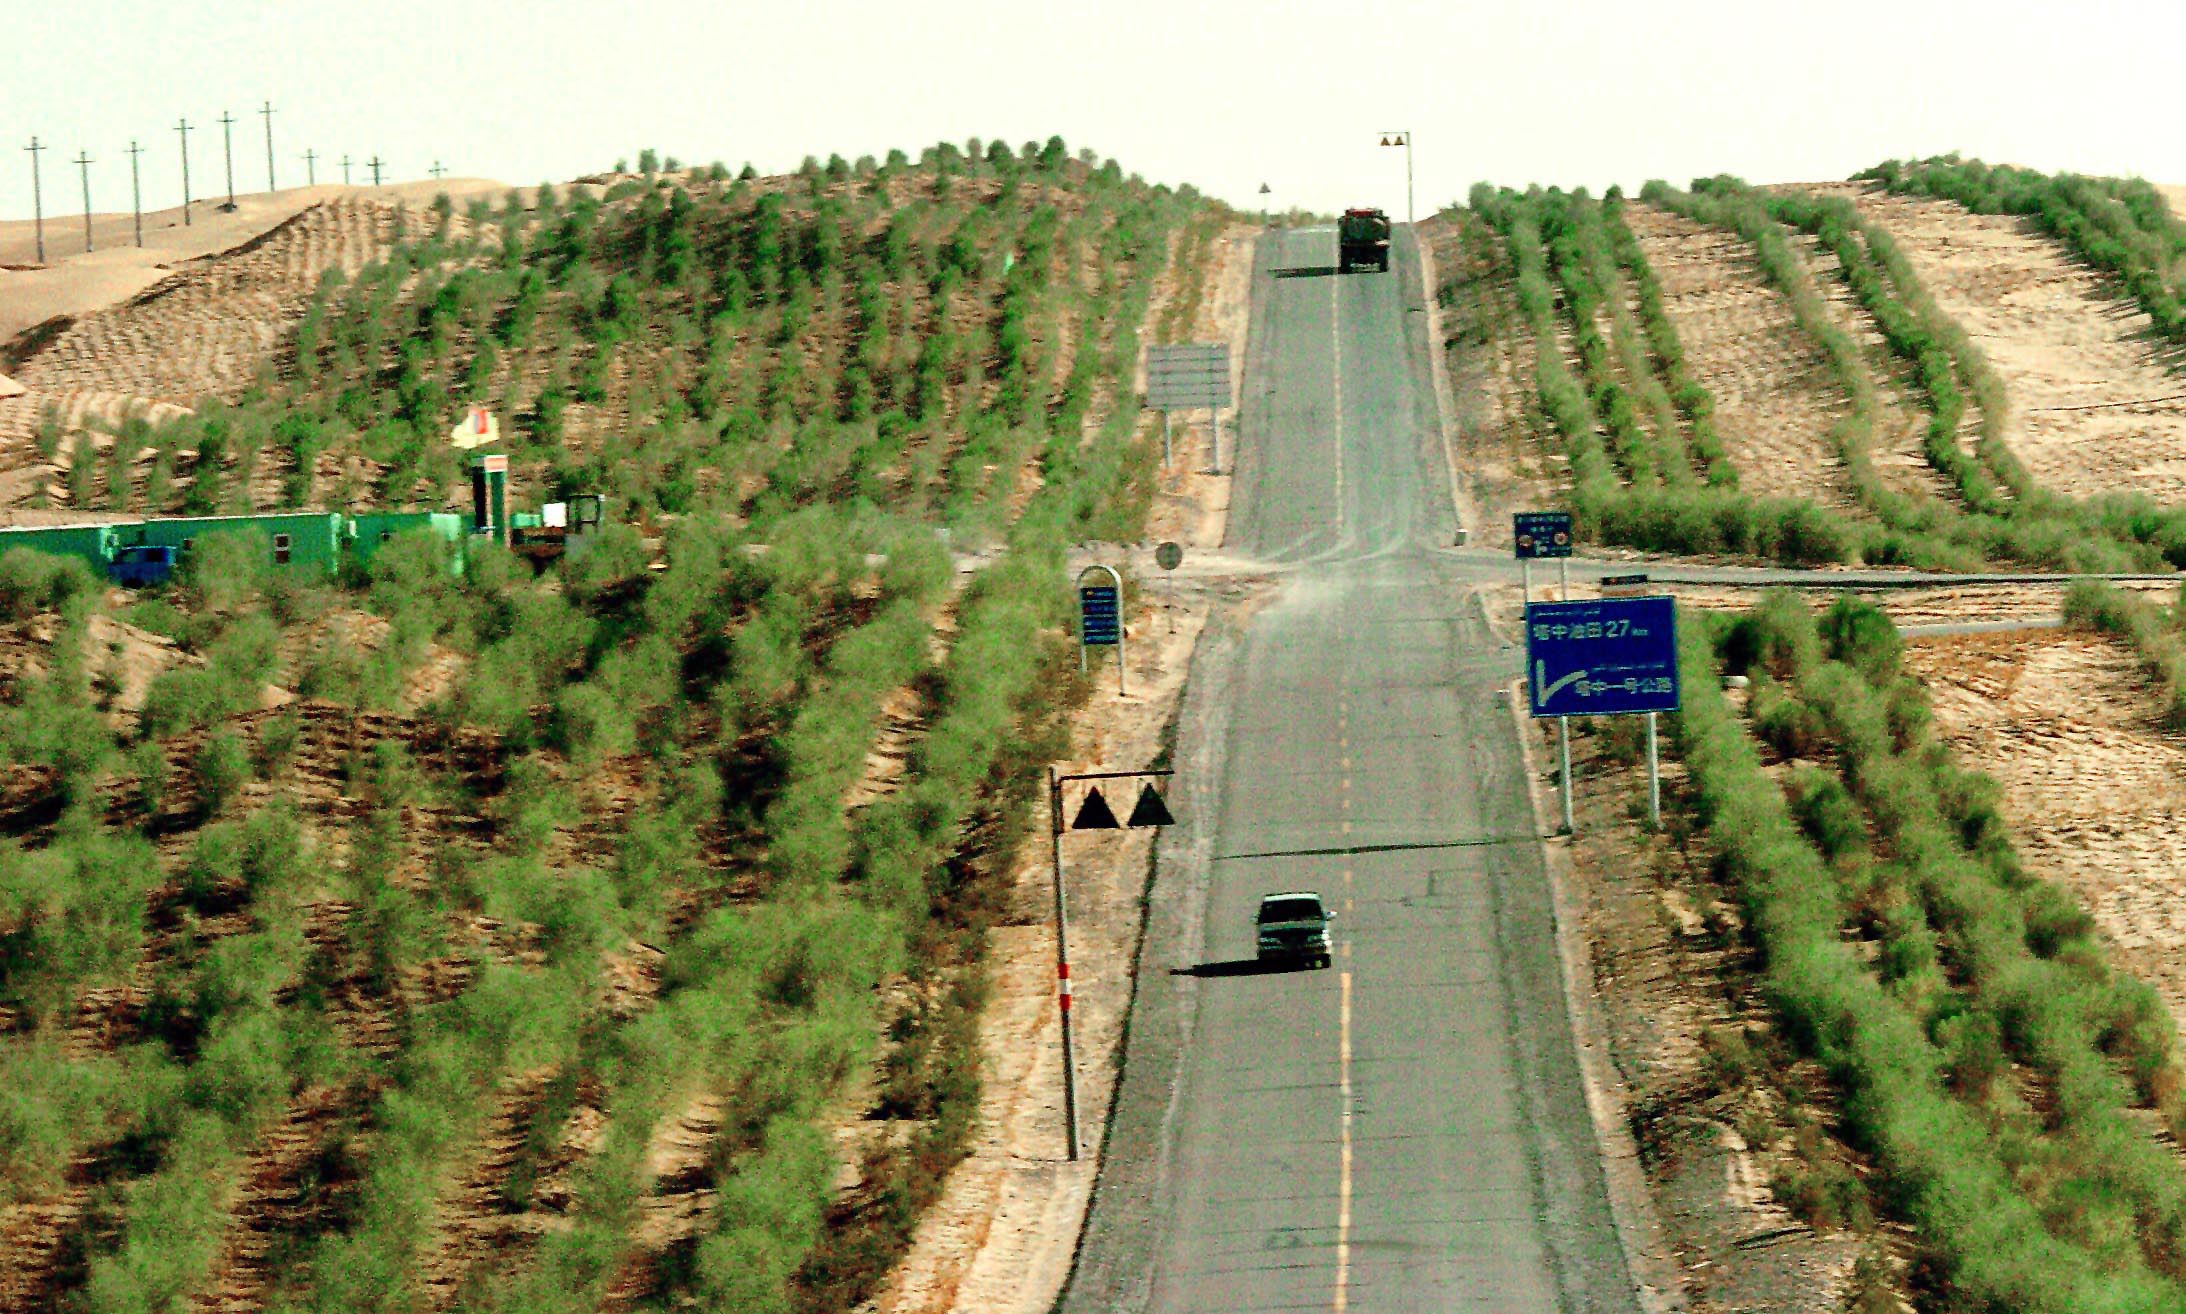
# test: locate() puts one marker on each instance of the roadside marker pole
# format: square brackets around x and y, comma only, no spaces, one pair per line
[1062,966]
[1214,424]
[1165,452]
[1654,778]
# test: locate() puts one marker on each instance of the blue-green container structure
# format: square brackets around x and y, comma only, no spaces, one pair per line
[321,542]
[304,541]
[95,544]
[366,532]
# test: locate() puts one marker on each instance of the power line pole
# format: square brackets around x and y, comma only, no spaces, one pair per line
[268,112]
[437,170]
[37,197]
[311,168]
[345,168]
[136,195]
[375,163]
[227,147]
[83,165]
[183,127]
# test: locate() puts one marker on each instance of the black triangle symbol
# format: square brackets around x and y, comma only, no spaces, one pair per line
[1150,810]
[1385,141]
[1094,814]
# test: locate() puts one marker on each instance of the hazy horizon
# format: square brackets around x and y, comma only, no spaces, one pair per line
[1225,98]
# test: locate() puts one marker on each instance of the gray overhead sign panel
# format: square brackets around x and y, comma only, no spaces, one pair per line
[1188,377]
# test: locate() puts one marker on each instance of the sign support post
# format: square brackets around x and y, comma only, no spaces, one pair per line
[1654,778]
[1166,454]
[1563,769]
[1062,968]
[1095,815]
[1563,723]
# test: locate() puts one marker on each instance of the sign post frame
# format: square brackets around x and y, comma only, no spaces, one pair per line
[1632,642]
[1115,582]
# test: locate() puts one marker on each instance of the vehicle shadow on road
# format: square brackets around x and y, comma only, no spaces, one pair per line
[1238,967]
[1308,271]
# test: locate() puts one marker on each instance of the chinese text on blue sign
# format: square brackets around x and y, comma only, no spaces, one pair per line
[1602,658]
[1541,534]
[1099,619]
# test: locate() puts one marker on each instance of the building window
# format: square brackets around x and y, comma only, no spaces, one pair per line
[280,549]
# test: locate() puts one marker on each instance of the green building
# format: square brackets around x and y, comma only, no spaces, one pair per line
[303,540]
[95,544]
[367,531]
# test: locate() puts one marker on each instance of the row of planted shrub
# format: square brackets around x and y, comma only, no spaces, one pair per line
[2003,515]
[1978,973]
[1694,519]
[2120,226]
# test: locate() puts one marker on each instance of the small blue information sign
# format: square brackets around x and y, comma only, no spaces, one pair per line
[1100,621]
[1538,534]
[1602,658]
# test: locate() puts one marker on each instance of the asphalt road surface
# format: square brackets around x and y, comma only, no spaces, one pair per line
[1406,1130]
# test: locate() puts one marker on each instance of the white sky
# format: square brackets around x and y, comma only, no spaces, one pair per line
[1226,96]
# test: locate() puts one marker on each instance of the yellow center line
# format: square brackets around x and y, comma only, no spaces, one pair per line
[1343,1184]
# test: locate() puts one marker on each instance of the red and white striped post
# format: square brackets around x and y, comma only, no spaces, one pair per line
[1062,965]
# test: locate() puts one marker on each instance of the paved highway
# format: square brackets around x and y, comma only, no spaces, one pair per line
[1406,1130]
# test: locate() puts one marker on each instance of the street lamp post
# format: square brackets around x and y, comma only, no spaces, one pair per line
[1403,138]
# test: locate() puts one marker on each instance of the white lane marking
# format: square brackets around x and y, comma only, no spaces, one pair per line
[1343,1186]
[1335,364]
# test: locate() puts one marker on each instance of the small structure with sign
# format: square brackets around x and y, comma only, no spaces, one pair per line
[1100,615]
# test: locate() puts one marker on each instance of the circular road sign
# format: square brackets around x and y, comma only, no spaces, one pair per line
[1168,556]
[1562,539]
[1525,542]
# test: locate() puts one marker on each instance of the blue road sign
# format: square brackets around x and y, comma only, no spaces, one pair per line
[1539,534]
[1602,658]
[1100,621]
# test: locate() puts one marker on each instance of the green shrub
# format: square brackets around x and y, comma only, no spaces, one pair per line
[32,582]
[219,769]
